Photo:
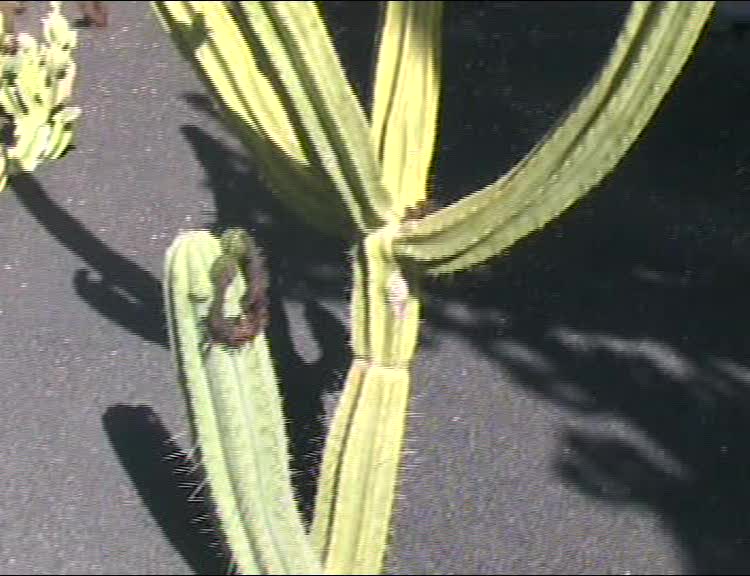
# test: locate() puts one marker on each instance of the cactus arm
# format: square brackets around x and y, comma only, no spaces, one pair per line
[60,40]
[211,40]
[274,69]
[651,50]
[406,98]
[236,412]
[208,34]
[310,74]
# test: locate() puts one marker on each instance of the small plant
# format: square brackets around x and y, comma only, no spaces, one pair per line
[274,70]
[36,81]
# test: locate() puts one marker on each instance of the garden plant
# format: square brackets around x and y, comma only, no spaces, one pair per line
[35,87]
[273,69]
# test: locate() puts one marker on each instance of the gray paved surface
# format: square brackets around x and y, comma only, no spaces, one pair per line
[579,407]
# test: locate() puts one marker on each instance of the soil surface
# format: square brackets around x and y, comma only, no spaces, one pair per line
[580,406]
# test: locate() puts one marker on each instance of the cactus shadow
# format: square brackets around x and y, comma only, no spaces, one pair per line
[131,297]
[165,476]
[119,289]
[629,309]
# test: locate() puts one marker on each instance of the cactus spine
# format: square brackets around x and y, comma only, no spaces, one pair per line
[286,95]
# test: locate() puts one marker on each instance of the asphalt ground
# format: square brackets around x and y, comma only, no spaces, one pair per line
[580,405]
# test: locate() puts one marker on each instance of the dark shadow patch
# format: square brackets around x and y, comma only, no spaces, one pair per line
[124,292]
[630,307]
[165,478]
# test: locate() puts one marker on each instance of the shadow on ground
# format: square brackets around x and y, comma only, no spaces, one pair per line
[131,297]
[124,292]
[632,305]
[169,483]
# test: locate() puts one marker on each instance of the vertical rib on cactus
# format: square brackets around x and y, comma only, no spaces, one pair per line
[237,418]
[652,48]
[309,73]
[406,98]
[358,479]
[212,40]
[363,451]
[273,66]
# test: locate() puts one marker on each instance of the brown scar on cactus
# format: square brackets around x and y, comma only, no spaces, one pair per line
[241,256]
[421,209]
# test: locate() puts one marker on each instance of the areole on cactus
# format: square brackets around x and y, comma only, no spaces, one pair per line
[273,68]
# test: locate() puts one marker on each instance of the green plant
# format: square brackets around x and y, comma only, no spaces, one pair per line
[36,82]
[244,450]
[274,70]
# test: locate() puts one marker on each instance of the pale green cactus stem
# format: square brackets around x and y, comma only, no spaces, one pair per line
[360,468]
[363,450]
[406,98]
[35,84]
[287,95]
[359,474]
[319,172]
[331,122]
[654,44]
[237,417]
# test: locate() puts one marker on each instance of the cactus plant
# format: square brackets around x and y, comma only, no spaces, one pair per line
[272,67]
[36,81]
[243,448]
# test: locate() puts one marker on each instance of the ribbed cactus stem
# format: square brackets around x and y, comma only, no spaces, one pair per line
[236,412]
[359,475]
[651,50]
